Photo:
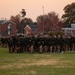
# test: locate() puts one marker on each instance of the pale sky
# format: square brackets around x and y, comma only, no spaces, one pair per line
[33,7]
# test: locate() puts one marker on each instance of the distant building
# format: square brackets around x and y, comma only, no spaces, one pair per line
[7,28]
[69,30]
[34,28]
[27,30]
[31,29]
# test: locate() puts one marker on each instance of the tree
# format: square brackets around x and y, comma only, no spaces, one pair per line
[17,19]
[21,21]
[69,15]
[25,20]
[51,22]
[23,13]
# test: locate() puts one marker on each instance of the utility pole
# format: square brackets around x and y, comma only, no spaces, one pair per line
[43,18]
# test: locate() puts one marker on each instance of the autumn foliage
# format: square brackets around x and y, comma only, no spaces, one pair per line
[50,22]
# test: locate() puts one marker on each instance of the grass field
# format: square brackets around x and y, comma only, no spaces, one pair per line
[36,64]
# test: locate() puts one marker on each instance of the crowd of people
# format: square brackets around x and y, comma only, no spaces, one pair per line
[38,43]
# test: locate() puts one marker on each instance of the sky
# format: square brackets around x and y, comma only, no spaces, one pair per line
[33,8]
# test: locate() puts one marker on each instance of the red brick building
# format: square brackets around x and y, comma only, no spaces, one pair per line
[31,29]
[7,28]
[27,30]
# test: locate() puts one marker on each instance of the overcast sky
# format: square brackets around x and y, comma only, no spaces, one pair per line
[33,7]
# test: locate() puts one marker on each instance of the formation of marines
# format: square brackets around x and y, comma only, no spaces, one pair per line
[38,43]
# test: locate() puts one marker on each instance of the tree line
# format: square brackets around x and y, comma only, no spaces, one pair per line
[50,20]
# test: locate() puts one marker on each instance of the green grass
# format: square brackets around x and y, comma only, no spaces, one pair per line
[36,64]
